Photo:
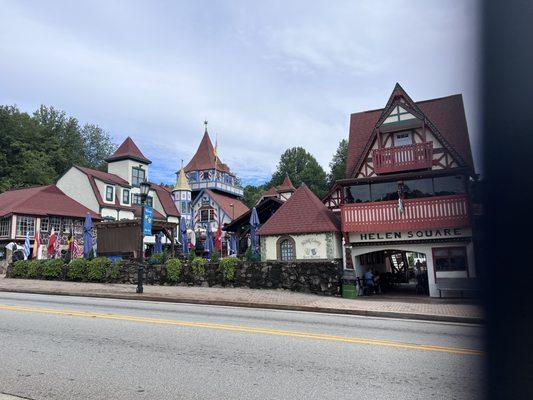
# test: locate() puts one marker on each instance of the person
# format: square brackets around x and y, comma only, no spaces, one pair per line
[369,281]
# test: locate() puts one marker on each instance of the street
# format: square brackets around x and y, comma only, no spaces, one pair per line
[60,347]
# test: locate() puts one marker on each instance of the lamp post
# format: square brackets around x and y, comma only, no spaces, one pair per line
[145,188]
[232,211]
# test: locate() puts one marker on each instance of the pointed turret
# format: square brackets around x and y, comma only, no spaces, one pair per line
[181,182]
[182,194]
[128,150]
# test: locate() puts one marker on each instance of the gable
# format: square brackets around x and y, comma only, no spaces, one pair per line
[397,116]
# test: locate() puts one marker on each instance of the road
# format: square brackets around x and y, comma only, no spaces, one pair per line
[58,347]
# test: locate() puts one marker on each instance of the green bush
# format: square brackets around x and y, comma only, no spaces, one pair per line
[215,257]
[97,269]
[173,269]
[250,256]
[114,273]
[158,258]
[192,255]
[77,269]
[228,266]
[198,267]
[20,269]
[35,268]
[51,269]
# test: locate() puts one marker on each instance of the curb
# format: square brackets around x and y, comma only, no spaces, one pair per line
[270,306]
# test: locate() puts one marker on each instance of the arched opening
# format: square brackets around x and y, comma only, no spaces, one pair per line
[286,248]
[393,271]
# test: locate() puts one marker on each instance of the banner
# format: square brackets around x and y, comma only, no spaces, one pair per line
[147,222]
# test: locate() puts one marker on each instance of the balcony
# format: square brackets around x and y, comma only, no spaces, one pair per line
[425,213]
[403,158]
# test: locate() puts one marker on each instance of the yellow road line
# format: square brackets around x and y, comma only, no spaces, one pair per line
[243,329]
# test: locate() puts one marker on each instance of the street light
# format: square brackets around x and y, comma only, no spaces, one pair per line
[145,189]
[233,211]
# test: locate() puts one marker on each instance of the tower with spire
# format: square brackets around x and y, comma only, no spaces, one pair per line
[182,194]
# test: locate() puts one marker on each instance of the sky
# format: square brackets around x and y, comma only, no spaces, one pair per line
[266,75]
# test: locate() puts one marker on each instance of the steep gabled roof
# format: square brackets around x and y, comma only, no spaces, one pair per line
[104,176]
[225,201]
[445,116]
[165,197]
[302,213]
[286,185]
[43,201]
[128,150]
[204,158]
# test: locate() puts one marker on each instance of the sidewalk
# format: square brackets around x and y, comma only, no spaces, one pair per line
[378,306]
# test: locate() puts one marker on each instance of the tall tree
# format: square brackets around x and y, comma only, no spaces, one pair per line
[98,146]
[252,194]
[301,167]
[338,163]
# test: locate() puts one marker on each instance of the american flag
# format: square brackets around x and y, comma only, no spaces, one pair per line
[57,246]
[77,250]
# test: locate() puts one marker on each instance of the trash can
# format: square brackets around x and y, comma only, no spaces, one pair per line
[348,284]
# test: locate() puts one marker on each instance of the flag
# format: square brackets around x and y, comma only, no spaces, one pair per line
[51,247]
[36,244]
[57,247]
[218,239]
[76,249]
[26,248]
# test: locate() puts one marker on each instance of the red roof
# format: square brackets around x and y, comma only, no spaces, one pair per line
[286,186]
[106,177]
[42,200]
[303,212]
[224,202]
[165,197]
[446,113]
[204,158]
[272,192]
[128,150]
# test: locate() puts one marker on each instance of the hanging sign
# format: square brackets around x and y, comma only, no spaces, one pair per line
[147,222]
[420,234]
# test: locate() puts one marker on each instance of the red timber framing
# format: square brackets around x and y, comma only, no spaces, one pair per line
[425,213]
[403,158]
[334,198]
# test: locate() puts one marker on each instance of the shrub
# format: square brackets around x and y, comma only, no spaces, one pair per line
[20,269]
[77,269]
[97,269]
[173,269]
[35,268]
[215,257]
[114,273]
[51,269]
[192,255]
[198,267]
[228,266]
[250,256]
[158,258]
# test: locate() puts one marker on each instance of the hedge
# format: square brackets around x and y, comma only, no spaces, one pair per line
[228,266]
[198,267]
[97,269]
[173,269]
[77,269]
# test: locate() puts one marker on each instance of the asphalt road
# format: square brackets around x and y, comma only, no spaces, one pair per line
[56,347]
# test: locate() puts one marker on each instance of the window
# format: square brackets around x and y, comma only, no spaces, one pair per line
[136,199]
[137,176]
[185,207]
[125,196]
[450,259]
[45,224]
[418,188]
[384,191]
[67,225]
[25,225]
[358,194]
[402,138]
[446,185]
[207,215]
[5,227]
[192,176]
[205,175]
[286,249]
[109,193]
[55,224]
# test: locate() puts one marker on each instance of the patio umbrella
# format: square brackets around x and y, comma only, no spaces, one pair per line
[26,250]
[184,239]
[87,235]
[233,243]
[209,239]
[254,225]
[158,246]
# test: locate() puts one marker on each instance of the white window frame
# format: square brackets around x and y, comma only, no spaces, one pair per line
[25,224]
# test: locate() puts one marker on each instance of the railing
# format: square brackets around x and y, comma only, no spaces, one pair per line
[217,185]
[403,158]
[425,213]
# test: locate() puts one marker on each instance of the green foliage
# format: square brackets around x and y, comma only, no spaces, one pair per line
[198,267]
[250,256]
[158,258]
[301,167]
[20,268]
[97,269]
[35,269]
[192,255]
[78,269]
[338,163]
[252,194]
[51,269]
[115,269]
[215,257]
[228,266]
[90,256]
[173,269]
[36,149]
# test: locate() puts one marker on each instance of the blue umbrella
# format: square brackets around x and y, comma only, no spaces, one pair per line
[184,241]
[233,244]
[158,246]
[26,248]
[87,235]
[209,246]
[254,225]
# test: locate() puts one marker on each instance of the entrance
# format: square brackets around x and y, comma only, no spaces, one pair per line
[399,271]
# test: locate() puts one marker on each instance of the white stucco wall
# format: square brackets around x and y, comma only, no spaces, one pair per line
[123,168]
[76,185]
[312,246]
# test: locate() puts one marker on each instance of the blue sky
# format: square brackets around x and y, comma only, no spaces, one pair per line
[267,75]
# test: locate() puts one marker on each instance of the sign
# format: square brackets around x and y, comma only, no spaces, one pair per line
[418,234]
[147,221]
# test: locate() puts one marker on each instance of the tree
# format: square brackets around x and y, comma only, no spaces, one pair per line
[252,194]
[98,146]
[301,167]
[338,163]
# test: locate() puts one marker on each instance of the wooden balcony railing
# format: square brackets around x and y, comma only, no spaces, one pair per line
[403,158]
[424,213]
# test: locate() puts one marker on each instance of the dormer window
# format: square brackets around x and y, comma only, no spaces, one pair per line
[109,192]
[403,138]
[138,175]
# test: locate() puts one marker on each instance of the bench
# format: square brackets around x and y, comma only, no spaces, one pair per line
[460,285]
